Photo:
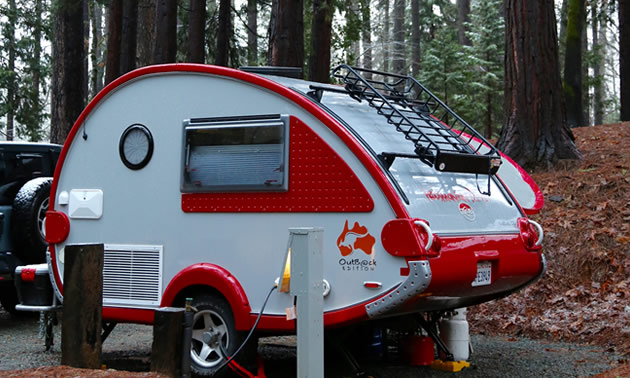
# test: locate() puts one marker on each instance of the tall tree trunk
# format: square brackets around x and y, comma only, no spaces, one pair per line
[366,34]
[624,58]
[196,31]
[223,34]
[354,38]
[562,37]
[599,44]
[85,79]
[252,32]
[573,63]
[36,68]
[586,85]
[114,22]
[321,35]
[11,82]
[399,36]
[128,35]
[489,101]
[146,32]
[68,56]
[385,37]
[463,13]
[96,51]
[165,48]
[288,39]
[272,30]
[535,133]
[415,38]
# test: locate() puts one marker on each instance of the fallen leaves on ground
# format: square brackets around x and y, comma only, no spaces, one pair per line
[585,294]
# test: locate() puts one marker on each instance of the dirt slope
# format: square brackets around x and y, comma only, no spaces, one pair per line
[585,294]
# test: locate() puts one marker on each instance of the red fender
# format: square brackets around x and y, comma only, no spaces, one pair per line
[214,276]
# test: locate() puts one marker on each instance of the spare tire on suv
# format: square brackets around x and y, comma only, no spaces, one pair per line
[28,220]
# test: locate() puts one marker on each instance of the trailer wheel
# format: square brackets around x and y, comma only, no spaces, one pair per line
[28,220]
[213,324]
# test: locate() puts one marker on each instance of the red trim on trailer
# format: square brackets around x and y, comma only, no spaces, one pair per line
[366,159]
[319,181]
[128,315]
[455,269]
[540,200]
[214,276]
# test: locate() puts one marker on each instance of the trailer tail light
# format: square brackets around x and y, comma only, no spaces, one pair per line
[57,227]
[410,237]
[531,233]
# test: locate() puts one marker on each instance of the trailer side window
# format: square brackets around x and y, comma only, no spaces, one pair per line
[236,154]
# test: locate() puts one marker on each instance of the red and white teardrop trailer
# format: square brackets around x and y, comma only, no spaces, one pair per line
[191,176]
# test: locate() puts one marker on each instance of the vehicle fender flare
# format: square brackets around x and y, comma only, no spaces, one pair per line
[218,278]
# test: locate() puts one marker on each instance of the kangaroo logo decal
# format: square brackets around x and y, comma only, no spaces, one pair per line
[355,238]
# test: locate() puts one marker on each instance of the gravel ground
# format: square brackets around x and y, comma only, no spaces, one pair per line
[129,348]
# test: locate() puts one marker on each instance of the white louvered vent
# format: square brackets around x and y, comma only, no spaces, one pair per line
[132,275]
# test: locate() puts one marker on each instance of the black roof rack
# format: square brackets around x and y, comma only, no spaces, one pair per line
[441,138]
[291,72]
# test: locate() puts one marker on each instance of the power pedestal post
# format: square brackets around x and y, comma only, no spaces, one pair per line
[307,285]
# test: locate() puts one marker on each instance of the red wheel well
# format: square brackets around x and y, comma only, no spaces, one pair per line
[209,278]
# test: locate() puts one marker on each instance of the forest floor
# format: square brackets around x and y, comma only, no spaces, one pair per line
[585,294]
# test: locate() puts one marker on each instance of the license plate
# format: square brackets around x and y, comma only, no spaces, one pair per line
[484,274]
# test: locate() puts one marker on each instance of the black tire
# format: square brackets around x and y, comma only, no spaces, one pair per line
[28,219]
[213,323]
[8,299]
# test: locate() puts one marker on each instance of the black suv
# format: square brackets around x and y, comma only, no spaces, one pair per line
[26,171]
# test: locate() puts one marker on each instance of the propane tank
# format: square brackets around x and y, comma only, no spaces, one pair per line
[454,332]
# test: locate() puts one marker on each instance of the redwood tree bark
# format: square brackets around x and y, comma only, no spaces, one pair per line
[321,35]
[535,133]
[573,63]
[463,12]
[385,35]
[129,32]
[196,31]
[11,84]
[599,46]
[224,34]
[96,50]
[68,56]
[415,38]
[146,32]
[252,32]
[399,37]
[366,34]
[287,41]
[114,22]
[165,49]
[624,58]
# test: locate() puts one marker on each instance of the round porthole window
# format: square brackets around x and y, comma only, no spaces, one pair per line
[136,146]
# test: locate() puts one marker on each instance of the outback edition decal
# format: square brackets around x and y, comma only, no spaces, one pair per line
[351,240]
[454,197]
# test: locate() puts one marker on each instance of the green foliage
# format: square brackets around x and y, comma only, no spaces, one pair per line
[486,56]
[29,102]
[465,77]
